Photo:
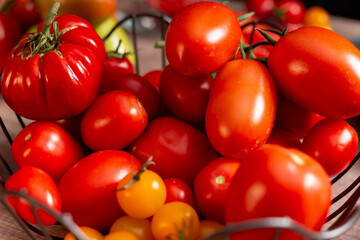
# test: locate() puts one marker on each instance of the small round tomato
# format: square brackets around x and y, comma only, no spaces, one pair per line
[262,8]
[333,143]
[38,185]
[154,78]
[47,146]
[211,186]
[123,235]
[197,44]
[142,198]
[290,11]
[317,16]
[91,233]
[113,121]
[139,227]
[174,220]
[178,190]
[210,227]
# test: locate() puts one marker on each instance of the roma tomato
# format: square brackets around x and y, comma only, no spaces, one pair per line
[88,189]
[322,65]
[113,121]
[185,97]
[333,143]
[139,227]
[47,146]
[38,185]
[197,44]
[241,109]
[211,185]
[178,190]
[48,84]
[263,179]
[178,149]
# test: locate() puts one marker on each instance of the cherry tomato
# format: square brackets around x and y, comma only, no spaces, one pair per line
[88,189]
[317,16]
[123,235]
[38,185]
[197,44]
[154,78]
[262,8]
[211,185]
[139,227]
[91,233]
[322,64]
[264,179]
[290,11]
[178,149]
[284,138]
[241,109]
[178,190]
[333,143]
[208,228]
[173,220]
[46,146]
[150,186]
[185,97]
[113,121]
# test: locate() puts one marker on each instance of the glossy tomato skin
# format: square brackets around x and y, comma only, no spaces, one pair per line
[241,109]
[178,190]
[185,97]
[36,89]
[333,143]
[91,198]
[263,180]
[197,44]
[113,121]
[284,138]
[40,186]
[320,74]
[154,78]
[178,149]
[211,185]
[47,146]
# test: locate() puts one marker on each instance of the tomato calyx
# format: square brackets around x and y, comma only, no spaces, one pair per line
[245,16]
[116,53]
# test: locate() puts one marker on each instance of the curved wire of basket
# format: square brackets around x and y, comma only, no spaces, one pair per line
[347,214]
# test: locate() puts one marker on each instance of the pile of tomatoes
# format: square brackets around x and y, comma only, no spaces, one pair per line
[216,137]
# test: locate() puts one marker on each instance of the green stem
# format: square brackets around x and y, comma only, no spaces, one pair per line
[160,44]
[50,18]
[267,37]
[245,16]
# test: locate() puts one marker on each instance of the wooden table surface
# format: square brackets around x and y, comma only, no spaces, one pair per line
[150,59]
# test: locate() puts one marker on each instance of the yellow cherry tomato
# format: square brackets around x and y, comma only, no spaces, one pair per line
[89,232]
[139,227]
[317,16]
[143,198]
[175,221]
[208,228]
[120,235]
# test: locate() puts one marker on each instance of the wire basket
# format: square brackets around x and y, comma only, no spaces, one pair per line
[343,215]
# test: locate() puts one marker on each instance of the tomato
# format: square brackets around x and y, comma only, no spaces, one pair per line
[88,189]
[263,180]
[174,220]
[290,11]
[11,33]
[208,228]
[333,143]
[71,125]
[211,185]
[284,138]
[197,44]
[185,97]
[154,78]
[46,146]
[91,233]
[170,7]
[150,186]
[38,185]
[141,88]
[317,16]
[113,121]
[241,109]
[93,11]
[59,83]
[178,149]
[294,118]
[123,235]
[178,190]
[139,227]
[322,64]
[262,8]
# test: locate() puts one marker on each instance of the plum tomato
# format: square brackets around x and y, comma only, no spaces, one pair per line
[178,190]
[139,227]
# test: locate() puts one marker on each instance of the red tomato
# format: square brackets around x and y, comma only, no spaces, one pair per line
[141,88]
[58,83]
[178,149]
[284,138]
[211,186]
[88,189]
[170,7]
[293,118]
[262,8]
[197,44]
[38,185]
[241,109]
[333,143]
[263,188]
[178,190]
[322,65]
[154,78]
[290,11]
[46,146]
[113,121]
[71,125]
[185,97]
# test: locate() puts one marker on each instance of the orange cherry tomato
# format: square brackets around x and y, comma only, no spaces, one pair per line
[139,227]
[89,232]
[120,235]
